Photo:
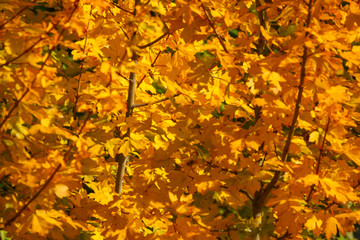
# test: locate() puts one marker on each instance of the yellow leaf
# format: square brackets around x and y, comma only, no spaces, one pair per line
[265,33]
[259,102]
[237,145]
[331,227]
[61,190]
[311,179]
[313,223]
[314,137]
[40,222]
[111,145]
[125,147]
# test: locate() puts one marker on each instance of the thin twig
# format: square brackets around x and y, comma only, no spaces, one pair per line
[22,54]
[214,29]
[261,195]
[158,101]
[152,65]
[356,185]
[10,19]
[247,194]
[317,169]
[126,35]
[322,147]
[77,96]
[48,181]
[261,43]
[123,9]
[157,39]
[156,58]
[27,90]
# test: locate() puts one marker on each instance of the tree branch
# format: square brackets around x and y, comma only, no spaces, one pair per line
[123,9]
[120,158]
[17,14]
[48,181]
[213,27]
[22,54]
[247,194]
[77,96]
[319,160]
[158,39]
[27,89]
[158,101]
[261,195]
[261,44]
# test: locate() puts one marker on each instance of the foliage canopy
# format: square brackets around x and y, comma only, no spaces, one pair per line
[235,119]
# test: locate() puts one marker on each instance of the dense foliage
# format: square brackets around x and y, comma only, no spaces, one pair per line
[182,119]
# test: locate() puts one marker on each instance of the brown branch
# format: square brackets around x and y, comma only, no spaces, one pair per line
[120,158]
[247,194]
[77,96]
[11,220]
[213,27]
[8,150]
[126,35]
[261,195]
[322,147]
[41,38]
[319,160]
[10,19]
[48,181]
[22,54]
[261,44]
[356,185]
[17,102]
[123,9]
[27,90]
[156,58]
[157,39]
[152,65]
[158,101]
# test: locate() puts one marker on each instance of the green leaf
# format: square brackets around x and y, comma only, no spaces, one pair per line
[234,33]
[158,85]
[287,30]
